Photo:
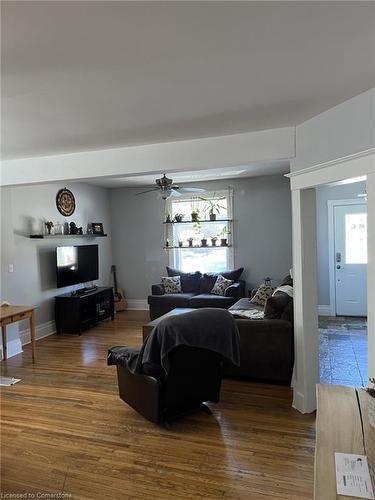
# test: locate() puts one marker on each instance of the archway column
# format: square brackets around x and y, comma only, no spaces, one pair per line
[303,183]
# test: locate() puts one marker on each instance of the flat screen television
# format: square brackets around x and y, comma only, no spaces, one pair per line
[76,264]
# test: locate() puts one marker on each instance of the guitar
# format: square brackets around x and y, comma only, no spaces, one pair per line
[118,294]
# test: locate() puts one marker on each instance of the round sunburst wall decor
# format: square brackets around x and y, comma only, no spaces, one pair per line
[65,202]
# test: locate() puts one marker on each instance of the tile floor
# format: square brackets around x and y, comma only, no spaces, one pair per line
[343,351]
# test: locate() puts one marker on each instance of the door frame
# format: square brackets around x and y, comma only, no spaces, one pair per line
[303,183]
[331,247]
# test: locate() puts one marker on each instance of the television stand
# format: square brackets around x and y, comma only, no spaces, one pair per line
[84,291]
[78,312]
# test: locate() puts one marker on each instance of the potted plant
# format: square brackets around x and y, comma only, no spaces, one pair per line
[190,241]
[213,206]
[180,243]
[178,217]
[213,241]
[194,209]
[168,218]
[204,242]
[371,402]
[223,237]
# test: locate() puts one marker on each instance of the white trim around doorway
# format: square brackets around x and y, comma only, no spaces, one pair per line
[331,247]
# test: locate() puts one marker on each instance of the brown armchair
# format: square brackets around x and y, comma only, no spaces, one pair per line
[194,377]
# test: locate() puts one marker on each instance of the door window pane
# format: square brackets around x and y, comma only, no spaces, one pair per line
[356,238]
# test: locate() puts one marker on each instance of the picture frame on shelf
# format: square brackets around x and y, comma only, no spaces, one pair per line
[97,228]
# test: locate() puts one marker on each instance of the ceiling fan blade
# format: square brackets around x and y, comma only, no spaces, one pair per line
[148,191]
[175,193]
[192,190]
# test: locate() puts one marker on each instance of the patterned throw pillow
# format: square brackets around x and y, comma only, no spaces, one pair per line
[221,285]
[262,294]
[172,284]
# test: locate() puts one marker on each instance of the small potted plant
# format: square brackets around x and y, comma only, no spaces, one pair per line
[178,217]
[213,241]
[194,209]
[371,402]
[204,242]
[168,219]
[224,237]
[180,243]
[190,241]
[213,206]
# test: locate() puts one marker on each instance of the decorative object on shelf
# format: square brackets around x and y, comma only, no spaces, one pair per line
[190,241]
[180,243]
[73,229]
[204,242]
[48,225]
[213,206]
[213,241]
[65,202]
[97,228]
[178,217]
[371,402]
[89,229]
[165,188]
[194,202]
[168,219]
[167,243]
[66,228]
[58,229]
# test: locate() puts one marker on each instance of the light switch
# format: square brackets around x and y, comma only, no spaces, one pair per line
[10,268]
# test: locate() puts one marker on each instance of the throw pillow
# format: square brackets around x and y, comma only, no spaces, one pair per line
[209,279]
[221,285]
[190,282]
[262,294]
[284,289]
[172,284]
[275,305]
[288,280]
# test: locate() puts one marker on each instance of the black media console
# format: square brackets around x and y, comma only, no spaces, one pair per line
[75,313]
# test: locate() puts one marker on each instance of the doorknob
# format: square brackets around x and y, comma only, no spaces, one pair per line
[338,267]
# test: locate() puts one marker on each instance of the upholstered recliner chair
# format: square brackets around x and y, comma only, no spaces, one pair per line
[179,366]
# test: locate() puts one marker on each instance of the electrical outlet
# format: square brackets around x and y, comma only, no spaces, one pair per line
[10,268]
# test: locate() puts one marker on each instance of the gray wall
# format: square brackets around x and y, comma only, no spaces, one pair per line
[262,231]
[323,194]
[23,210]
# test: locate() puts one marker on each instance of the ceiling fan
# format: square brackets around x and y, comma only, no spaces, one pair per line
[165,188]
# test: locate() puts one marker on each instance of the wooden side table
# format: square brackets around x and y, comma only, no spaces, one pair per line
[12,314]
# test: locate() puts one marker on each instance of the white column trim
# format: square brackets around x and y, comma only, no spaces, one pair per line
[371,273]
[306,338]
[333,171]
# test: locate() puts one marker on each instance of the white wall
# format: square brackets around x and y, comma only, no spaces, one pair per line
[344,130]
[323,195]
[262,232]
[23,211]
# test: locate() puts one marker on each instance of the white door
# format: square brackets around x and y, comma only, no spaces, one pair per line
[351,259]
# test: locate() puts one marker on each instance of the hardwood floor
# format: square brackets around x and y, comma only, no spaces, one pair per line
[64,429]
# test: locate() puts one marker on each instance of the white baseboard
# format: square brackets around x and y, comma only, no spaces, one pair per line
[14,347]
[137,305]
[324,310]
[41,331]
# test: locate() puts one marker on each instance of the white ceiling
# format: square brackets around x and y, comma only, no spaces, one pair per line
[89,75]
[253,170]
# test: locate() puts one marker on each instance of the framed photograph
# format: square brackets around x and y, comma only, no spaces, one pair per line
[97,228]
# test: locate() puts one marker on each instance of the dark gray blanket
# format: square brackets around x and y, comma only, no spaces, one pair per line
[208,328]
